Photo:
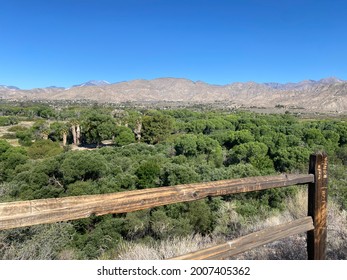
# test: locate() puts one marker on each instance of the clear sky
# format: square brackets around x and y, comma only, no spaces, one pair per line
[66,42]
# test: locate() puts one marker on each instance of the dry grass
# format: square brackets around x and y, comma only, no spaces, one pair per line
[40,242]
[232,225]
[337,233]
[164,249]
[294,247]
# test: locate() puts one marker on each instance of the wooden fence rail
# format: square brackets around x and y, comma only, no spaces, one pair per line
[41,211]
[26,213]
[251,241]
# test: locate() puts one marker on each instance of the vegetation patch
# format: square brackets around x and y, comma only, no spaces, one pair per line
[120,149]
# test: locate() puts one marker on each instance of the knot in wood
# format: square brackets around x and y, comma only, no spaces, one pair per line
[195,194]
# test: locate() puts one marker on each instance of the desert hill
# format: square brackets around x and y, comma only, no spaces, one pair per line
[327,95]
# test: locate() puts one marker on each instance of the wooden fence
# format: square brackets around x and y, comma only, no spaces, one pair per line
[26,213]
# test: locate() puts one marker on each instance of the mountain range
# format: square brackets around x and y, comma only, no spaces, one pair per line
[325,95]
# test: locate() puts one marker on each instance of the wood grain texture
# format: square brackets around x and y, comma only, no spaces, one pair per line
[26,213]
[250,241]
[317,207]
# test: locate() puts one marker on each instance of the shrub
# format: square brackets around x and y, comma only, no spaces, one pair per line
[123,136]
[41,242]
[83,165]
[44,149]
[16,128]
[148,174]
[5,121]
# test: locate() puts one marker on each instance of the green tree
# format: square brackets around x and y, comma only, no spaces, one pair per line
[98,127]
[313,137]
[156,128]
[44,149]
[148,174]
[186,145]
[331,141]
[83,166]
[123,136]
[341,154]
[245,152]
[241,137]
[45,112]
[200,216]
[81,188]
[9,160]
[211,149]
[175,174]
[291,158]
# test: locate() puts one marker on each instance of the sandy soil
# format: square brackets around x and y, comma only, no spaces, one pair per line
[4,130]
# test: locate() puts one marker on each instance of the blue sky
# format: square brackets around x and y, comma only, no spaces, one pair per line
[66,42]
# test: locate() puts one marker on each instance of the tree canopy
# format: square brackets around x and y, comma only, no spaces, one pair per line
[154,148]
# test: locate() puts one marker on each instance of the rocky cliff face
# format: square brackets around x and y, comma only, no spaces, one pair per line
[327,95]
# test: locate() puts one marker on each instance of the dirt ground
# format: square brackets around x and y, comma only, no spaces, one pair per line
[4,130]
[28,124]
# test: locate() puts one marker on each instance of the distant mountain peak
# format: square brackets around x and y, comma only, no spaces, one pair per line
[331,80]
[54,87]
[98,83]
[9,87]
[328,94]
[304,83]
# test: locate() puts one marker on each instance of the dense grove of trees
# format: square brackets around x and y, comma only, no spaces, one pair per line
[153,148]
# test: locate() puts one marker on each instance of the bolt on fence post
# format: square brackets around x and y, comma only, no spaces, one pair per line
[317,207]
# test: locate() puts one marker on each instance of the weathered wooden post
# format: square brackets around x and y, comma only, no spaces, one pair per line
[317,207]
